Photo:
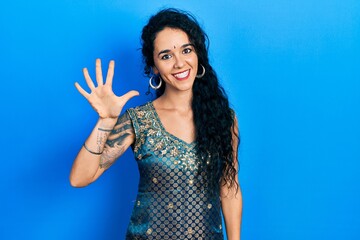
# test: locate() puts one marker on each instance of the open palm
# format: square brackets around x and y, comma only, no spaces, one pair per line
[102,97]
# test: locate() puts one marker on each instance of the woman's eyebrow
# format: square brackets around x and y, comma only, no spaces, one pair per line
[164,51]
[187,44]
[168,50]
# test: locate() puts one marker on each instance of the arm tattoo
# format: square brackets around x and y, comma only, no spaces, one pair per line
[104,130]
[115,144]
[101,139]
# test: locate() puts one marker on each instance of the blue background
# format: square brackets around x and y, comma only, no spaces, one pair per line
[291,69]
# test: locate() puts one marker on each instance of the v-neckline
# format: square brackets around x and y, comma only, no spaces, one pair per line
[157,118]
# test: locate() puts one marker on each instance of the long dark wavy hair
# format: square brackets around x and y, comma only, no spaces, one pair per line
[213,118]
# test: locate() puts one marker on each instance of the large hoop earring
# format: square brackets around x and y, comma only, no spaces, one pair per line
[152,86]
[202,74]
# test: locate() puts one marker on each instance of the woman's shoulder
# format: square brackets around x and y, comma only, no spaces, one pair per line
[140,112]
[141,117]
[141,108]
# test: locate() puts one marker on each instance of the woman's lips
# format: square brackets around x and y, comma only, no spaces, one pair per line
[182,75]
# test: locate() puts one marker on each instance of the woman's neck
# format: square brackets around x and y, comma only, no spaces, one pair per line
[180,100]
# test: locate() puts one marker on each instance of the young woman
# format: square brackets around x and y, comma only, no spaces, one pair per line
[185,141]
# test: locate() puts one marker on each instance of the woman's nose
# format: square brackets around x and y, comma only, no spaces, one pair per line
[179,62]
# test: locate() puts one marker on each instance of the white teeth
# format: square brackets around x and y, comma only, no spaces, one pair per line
[182,75]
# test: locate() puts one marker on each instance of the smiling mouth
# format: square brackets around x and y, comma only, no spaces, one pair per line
[183,75]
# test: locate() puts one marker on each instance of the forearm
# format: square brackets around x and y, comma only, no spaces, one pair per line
[231,197]
[86,163]
[232,211]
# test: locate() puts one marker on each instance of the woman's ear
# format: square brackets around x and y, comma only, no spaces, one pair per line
[155,70]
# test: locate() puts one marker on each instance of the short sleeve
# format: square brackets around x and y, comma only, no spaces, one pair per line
[135,123]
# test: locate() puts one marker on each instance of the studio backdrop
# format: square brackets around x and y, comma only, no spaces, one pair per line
[291,71]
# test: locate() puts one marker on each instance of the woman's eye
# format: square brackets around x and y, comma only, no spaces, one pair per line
[187,50]
[165,57]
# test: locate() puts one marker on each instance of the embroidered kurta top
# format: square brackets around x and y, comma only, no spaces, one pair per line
[172,202]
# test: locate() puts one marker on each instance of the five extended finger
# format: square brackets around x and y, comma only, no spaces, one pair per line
[88,79]
[110,73]
[99,76]
[81,90]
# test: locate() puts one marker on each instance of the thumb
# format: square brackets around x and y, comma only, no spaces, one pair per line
[129,95]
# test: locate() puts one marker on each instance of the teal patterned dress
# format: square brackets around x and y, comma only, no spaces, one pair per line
[172,202]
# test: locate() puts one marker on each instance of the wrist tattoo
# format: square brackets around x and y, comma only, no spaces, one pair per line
[104,130]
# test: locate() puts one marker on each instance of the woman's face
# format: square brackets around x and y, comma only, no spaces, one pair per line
[175,59]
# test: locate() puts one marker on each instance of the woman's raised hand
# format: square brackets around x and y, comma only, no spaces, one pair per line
[102,97]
